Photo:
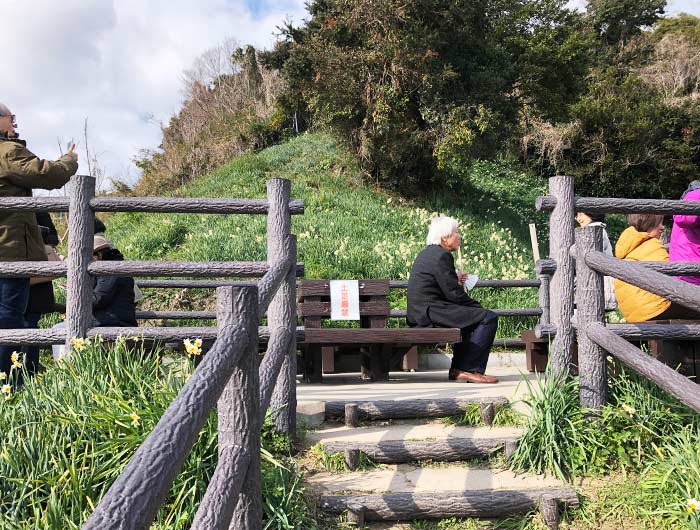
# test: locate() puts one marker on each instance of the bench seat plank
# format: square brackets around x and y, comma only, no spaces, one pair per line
[382,336]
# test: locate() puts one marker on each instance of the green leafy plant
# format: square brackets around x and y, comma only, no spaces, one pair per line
[70,431]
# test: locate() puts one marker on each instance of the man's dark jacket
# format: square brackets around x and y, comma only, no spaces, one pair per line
[435,297]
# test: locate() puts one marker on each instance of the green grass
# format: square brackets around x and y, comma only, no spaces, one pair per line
[505,416]
[349,230]
[641,432]
[69,433]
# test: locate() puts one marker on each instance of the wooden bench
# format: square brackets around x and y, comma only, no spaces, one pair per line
[683,355]
[384,346]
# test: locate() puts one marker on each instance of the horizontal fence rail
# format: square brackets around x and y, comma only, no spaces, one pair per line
[670,268]
[52,336]
[684,293]
[657,330]
[602,205]
[149,204]
[394,284]
[498,284]
[664,376]
[236,269]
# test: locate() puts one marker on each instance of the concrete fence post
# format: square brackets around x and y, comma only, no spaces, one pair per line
[81,222]
[590,308]
[239,404]
[561,239]
[282,310]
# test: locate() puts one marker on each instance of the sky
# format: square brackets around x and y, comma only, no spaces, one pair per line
[119,64]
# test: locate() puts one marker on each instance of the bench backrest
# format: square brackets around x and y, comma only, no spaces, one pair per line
[315,299]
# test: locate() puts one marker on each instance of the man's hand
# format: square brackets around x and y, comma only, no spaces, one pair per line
[462,277]
[71,152]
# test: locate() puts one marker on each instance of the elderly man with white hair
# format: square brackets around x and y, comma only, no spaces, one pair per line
[436,298]
[20,237]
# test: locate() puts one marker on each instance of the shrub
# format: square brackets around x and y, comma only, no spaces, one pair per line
[70,431]
[642,430]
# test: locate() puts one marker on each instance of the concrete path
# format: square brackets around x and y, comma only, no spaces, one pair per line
[417,385]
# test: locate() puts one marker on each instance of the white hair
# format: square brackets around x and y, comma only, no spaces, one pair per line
[440,227]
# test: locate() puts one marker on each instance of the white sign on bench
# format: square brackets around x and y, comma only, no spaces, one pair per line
[345,300]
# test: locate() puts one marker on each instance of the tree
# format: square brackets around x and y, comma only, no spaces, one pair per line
[618,20]
[418,84]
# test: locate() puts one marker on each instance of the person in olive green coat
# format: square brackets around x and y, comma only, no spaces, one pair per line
[20,236]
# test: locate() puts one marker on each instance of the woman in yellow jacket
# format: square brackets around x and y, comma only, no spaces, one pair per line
[640,242]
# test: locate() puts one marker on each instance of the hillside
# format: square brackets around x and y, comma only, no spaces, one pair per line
[349,230]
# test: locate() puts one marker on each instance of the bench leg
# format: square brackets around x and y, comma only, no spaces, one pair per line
[365,365]
[676,354]
[410,359]
[536,356]
[379,358]
[328,363]
[313,363]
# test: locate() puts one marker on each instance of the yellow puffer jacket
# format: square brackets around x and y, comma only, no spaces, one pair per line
[638,305]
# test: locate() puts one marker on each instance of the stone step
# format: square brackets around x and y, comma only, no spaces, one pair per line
[413,408]
[417,442]
[407,492]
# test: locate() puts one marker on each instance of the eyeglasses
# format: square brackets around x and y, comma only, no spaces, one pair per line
[12,117]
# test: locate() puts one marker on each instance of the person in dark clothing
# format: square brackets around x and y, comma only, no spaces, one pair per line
[41,297]
[436,298]
[113,297]
[100,227]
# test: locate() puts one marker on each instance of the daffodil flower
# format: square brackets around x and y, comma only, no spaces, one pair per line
[135,419]
[14,357]
[6,389]
[3,376]
[629,409]
[79,343]
[693,505]
[193,347]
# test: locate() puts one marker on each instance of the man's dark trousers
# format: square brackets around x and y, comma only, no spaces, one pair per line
[14,297]
[472,354]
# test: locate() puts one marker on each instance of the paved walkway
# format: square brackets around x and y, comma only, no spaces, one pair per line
[417,385]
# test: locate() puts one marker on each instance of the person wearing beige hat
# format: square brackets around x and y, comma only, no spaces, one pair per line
[21,171]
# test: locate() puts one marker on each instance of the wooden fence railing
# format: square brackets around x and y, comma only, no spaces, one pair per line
[515,342]
[596,339]
[228,377]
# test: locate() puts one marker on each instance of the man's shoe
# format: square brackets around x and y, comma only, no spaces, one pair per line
[470,377]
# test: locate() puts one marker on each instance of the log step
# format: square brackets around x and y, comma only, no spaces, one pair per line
[410,408]
[408,492]
[394,444]
[484,504]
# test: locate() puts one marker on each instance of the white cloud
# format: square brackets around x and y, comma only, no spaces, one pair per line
[115,62]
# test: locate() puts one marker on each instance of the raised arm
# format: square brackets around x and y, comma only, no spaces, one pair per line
[29,171]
